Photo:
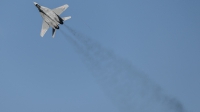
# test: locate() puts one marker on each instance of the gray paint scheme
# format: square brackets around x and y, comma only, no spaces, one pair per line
[51,18]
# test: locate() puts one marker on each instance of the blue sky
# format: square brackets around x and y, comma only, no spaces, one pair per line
[160,39]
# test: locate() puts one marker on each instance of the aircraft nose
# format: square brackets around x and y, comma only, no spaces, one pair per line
[35,3]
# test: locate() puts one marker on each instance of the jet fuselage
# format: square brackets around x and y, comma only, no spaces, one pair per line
[50,17]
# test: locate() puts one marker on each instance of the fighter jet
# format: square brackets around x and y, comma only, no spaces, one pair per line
[51,17]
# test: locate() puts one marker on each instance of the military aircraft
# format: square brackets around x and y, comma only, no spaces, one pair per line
[51,17]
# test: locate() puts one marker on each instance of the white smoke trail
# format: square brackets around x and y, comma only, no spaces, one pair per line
[130,90]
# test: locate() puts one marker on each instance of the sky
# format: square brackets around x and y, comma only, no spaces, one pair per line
[111,56]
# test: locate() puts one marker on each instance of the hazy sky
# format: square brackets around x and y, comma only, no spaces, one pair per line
[158,38]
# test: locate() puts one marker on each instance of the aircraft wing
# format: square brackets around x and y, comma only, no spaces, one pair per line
[60,9]
[45,27]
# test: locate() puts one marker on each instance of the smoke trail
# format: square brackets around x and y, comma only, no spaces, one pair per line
[79,48]
[130,90]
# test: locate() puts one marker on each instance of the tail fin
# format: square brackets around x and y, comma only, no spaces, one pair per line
[53,32]
[66,18]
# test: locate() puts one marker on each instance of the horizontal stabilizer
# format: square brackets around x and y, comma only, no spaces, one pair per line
[53,32]
[66,18]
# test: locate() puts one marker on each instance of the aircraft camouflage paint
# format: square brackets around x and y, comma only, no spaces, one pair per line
[51,18]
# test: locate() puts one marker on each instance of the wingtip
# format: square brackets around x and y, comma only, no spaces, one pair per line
[66,6]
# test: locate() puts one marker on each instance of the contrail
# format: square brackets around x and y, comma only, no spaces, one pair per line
[129,89]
